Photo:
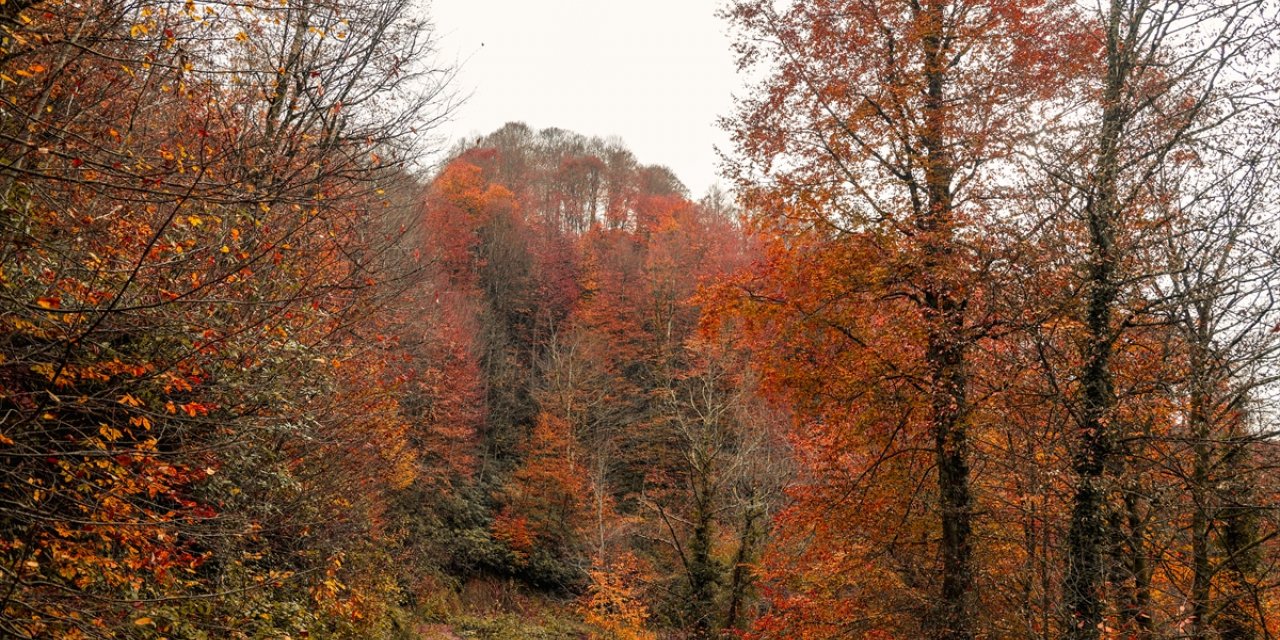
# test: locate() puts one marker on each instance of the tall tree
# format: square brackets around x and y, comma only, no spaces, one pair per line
[1169,75]
[886,124]
[1221,301]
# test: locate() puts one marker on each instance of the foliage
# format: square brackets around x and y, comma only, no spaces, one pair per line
[200,426]
[613,602]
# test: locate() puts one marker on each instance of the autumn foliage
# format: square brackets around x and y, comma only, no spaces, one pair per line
[580,272]
[983,345]
[202,425]
[988,291]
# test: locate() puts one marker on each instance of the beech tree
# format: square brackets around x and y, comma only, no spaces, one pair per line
[883,127]
[1169,77]
[1220,297]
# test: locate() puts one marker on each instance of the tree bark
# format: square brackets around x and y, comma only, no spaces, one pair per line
[1137,614]
[1086,538]
[740,579]
[946,355]
[703,572]
[1239,617]
[1201,516]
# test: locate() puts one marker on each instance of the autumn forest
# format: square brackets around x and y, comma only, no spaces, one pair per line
[980,339]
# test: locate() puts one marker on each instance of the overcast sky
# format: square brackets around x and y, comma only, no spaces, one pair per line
[657,73]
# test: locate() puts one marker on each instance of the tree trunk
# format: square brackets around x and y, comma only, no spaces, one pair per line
[1238,616]
[1201,567]
[740,579]
[945,315]
[1086,538]
[1137,614]
[703,574]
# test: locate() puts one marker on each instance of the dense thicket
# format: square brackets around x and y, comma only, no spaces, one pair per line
[200,428]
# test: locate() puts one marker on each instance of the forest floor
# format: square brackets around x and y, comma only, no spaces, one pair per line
[437,632]
[502,628]
[496,610]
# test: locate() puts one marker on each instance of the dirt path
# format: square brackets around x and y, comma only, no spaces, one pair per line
[437,632]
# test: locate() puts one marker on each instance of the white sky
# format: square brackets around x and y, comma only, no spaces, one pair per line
[656,73]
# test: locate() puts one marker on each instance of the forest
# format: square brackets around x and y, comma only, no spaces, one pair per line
[981,341]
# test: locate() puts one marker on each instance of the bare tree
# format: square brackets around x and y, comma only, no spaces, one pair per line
[1171,73]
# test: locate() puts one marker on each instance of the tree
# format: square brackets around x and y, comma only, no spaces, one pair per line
[1163,84]
[880,133]
[1219,295]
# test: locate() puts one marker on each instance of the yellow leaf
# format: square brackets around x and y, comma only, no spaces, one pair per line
[143,621]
